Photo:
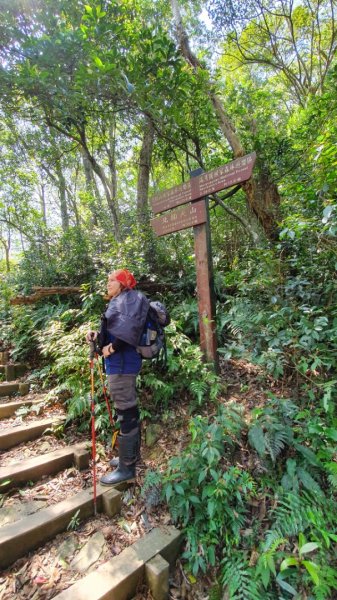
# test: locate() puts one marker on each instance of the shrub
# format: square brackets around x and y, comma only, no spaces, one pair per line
[205,494]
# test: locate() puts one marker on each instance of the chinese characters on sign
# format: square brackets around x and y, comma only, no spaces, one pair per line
[187,216]
[237,171]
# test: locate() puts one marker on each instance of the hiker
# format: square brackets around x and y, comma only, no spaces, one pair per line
[123,319]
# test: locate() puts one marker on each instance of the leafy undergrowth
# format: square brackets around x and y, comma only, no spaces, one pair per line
[253,485]
[250,479]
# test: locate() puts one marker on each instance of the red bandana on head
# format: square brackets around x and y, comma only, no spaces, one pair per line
[125,277]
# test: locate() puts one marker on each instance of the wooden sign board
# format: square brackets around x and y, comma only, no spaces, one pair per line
[223,177]
[195,214]
[187,216]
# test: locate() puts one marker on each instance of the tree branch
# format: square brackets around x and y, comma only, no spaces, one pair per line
[252,234]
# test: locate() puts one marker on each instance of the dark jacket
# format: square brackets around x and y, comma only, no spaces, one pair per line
[122,325]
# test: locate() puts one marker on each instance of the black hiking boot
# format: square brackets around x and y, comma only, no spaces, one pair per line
[126,471]
[114,462]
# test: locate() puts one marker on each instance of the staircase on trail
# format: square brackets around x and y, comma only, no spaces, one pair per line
[26,527]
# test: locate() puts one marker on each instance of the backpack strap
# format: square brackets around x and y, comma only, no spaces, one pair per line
[164,351]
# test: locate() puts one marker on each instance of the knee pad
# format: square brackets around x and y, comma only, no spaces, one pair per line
[128,419]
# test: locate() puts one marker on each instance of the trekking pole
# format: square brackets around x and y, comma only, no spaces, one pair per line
[105,393]
[112,420]
[93,432]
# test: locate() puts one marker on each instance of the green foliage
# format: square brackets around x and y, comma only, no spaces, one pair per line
[272,431]
[295,476]
[57,333]
[63,341]
[206,495]
[77,86]
[187,317]
[186,375]
[25,324]
[238,578]
[74,521]
[66,260]
[291,329]
[212,500]
[152,488]
[297,519]
[275,431]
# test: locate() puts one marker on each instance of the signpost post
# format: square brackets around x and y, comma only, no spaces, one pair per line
[205,284]
[192,194]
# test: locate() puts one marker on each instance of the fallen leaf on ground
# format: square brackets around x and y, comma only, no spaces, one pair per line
[40,580]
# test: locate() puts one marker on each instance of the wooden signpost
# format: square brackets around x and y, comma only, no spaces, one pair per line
[232,173]
[192,194]
[187,216]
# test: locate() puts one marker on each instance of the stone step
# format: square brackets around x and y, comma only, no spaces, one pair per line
[157,577]
[7,409]
[20,537]
[4,357]
[119,577]
[32,469]
[12,371]
[7,389]
[12,436]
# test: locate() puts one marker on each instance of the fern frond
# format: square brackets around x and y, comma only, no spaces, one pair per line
[231,420]
[175,512]
[308,481]
[331,467]
[275,442]
[327,583]
[272,542]
[290,515]
[235,329]
[152,488]
[198,389]
[256,439]
[238,580]
[288,408]
[295,513]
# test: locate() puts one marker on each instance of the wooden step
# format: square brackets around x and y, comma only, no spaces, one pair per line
[24,535]
[7,409]
[12,436]
[119,578]
[4,357]
[13,371]
[8,389]
[32,469]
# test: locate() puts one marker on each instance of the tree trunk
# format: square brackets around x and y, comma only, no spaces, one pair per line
[7,246]
[91,187]
[111,150]
[43,203]
[41,292]
[144,172]
[82,141]
[264,201]
[74,207]
[261,193]
[8,266]
[112,204]
[22,242]
[62,196]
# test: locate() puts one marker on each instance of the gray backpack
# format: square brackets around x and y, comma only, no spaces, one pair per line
[152,341]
